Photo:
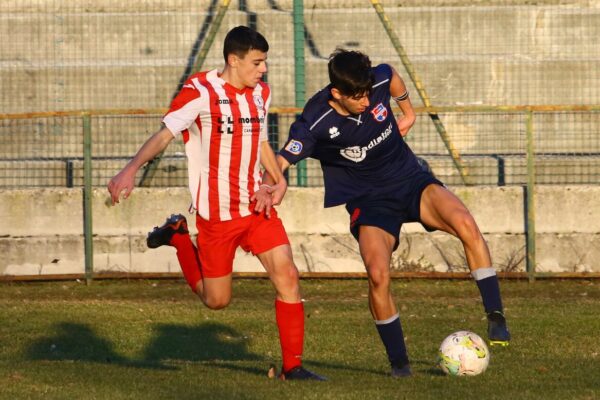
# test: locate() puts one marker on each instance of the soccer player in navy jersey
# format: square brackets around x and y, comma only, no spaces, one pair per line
[221,118]
[350,128]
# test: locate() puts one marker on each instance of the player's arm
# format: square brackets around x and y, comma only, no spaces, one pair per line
[400,95]
[124,181]
[283,165]
[271,190]
[300,145]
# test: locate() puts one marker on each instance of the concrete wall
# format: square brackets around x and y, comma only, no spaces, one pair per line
[41,232]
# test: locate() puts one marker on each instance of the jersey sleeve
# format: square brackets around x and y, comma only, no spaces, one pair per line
[301,142]
[383,77]
[184,109]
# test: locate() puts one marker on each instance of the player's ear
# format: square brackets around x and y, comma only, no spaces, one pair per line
[336,93]
[233,60]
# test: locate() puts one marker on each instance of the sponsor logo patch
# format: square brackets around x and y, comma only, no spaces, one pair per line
[354,153]
[379,112]
[294,147]
[358,153]
[334,132]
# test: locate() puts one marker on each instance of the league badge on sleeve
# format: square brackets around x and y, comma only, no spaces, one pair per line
[379,112]
[294,147]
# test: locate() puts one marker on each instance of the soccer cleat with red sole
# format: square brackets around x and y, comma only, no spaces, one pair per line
[161,235]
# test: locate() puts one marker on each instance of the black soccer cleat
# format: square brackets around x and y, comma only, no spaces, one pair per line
[401,371]
[161,236]
[300,374]
[498,333]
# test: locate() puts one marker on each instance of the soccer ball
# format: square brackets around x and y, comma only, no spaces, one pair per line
[463,353]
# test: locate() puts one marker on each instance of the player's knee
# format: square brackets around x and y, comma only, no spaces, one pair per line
[379,278]
[289,278]
[467,228]
[217,302]
[287,282]
[292,275]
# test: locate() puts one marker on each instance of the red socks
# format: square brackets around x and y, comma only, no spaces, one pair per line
[290,321]
[187,254]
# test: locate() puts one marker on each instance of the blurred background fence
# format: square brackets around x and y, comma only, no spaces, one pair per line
[485,76]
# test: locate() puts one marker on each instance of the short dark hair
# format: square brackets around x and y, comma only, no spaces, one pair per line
[350,72]
[241,39]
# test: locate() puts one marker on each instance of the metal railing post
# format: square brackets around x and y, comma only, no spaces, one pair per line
[299,75]
[87,198]
[530,204]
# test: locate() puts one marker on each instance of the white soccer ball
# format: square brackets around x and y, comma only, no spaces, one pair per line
[463,353]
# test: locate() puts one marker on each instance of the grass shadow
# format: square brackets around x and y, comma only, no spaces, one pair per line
[210,342]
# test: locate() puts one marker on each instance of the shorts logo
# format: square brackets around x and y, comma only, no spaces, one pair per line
[354,217]
[354,153]
[334,132]
[294,147]
[258,101]
[379,112]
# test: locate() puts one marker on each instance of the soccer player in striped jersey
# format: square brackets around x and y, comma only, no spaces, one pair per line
[350,127]
[221,116]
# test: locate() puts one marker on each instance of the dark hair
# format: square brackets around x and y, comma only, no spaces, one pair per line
[350,72]
[241,39]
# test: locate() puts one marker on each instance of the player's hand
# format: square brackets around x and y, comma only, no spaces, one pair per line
[264,200]
[404,125]
[278,191]
[121,185]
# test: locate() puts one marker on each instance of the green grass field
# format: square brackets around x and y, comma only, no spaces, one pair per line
[154,340]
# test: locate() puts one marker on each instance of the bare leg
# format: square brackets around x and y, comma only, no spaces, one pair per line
[376,246]
[283,273]
[441,209]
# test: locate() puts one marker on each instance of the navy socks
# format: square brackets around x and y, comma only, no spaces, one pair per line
[390,331]
[487,282]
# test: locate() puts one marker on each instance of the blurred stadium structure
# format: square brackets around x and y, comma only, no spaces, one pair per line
[493,81]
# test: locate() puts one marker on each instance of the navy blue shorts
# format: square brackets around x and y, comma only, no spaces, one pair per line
[390,210]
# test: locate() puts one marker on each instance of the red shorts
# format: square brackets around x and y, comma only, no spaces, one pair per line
[218,241]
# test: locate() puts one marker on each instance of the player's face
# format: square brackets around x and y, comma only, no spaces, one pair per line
[251,68]
[353,104]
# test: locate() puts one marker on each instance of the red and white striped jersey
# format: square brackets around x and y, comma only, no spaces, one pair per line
[222,128]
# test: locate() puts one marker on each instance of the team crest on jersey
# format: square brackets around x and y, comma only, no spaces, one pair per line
[354,153]
[334,132]
[379,112]
[294,147]
[258,101]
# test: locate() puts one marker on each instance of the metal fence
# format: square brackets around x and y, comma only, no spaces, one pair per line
[480,75]
[492,145]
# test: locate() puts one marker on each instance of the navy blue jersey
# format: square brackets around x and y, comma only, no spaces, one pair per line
[362,156]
